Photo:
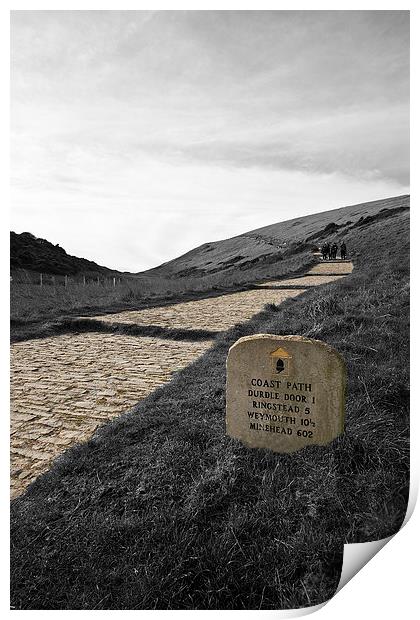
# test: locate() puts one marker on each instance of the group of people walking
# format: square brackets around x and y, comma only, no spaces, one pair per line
[329,251]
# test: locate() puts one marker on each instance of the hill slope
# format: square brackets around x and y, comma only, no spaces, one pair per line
[271,252]
[270,243]
[35,254]
[257,248]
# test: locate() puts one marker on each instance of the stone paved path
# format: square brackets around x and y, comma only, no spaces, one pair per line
[344,267]
[63,387]
[220,313]
[215,313]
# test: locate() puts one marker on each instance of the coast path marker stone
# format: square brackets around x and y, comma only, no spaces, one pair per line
[284,392]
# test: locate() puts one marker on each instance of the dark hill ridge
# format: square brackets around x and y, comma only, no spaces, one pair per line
[30,252]
[260,247]
[280,240]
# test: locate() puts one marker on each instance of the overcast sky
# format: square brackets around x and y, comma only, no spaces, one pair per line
[138,135]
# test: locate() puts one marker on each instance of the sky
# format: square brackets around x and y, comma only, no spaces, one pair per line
[138,135]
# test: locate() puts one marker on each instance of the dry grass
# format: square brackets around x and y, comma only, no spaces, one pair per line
[30,301]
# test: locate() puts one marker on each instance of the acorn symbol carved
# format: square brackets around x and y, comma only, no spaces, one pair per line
[279,365]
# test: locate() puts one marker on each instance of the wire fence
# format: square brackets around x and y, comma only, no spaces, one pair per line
[23,276]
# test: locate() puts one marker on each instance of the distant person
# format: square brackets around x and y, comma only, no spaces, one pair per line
[324,251]
[343,251]
[334,250]
[328,250]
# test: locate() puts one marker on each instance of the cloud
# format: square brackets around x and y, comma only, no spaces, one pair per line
[147,114]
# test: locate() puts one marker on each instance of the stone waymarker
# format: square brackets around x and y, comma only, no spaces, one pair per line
[284,392]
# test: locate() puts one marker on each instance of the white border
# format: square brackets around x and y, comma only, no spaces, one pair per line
[387,586]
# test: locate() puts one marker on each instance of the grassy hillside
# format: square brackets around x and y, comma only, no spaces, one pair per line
[39,255]
[277,240]
[162,510]
[344,218]
[32,303]
[223,266]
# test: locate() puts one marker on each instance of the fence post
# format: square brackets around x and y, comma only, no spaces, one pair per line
[40,279]
[84,280]
[114,281]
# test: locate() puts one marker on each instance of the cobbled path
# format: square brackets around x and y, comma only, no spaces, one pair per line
[215,313]
[220,313]
[63,387]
